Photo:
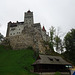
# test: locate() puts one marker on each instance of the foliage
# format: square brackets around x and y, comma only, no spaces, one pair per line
[1,37]
[51,46]
[57,73]
[31,48]
[36,54]
[55,40]
[52,31]
[58,43]
[51,43]
[6,44]
[70,45]
[16,62]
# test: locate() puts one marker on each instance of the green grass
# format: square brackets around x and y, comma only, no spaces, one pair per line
[16,62]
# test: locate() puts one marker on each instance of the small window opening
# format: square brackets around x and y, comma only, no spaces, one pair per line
[56,59]
[50,59]
[13,33]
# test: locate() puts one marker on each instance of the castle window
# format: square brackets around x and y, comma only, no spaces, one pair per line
[12,29]
[13,33]
[50,59]
[56,59]
[19,32]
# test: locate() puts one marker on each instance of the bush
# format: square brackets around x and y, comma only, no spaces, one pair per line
[31,48]
[57,73]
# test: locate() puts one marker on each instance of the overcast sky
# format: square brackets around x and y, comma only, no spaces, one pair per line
[57,13]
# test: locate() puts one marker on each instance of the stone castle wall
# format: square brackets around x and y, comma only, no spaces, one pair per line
[30,37]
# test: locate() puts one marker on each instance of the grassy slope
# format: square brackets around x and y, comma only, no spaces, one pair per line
[16,62]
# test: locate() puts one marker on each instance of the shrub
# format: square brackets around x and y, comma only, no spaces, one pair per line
[57,73]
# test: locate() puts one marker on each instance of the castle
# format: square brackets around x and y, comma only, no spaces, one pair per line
[27,33]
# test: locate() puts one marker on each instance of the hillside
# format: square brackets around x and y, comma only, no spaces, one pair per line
[16,62]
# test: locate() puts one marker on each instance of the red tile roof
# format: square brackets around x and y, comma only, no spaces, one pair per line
[43,29]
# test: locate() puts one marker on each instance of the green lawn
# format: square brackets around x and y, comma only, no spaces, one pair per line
[16,62]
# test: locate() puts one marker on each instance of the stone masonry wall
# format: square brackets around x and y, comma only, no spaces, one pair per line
[31,36]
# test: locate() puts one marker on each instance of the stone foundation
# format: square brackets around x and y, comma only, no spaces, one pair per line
[30,37]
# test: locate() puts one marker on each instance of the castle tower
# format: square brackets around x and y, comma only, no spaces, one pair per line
[28,18]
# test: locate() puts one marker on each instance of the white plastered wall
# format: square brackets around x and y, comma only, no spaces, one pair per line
[16,30]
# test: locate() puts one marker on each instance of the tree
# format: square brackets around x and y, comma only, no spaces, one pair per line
[70,45]
[52,31]
[55,40]
[1,37]
[57,43]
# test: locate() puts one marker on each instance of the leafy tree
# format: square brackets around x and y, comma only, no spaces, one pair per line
[57,43]
[1,37]
[55,40]
[52,32]
[70,45]
[62,46]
